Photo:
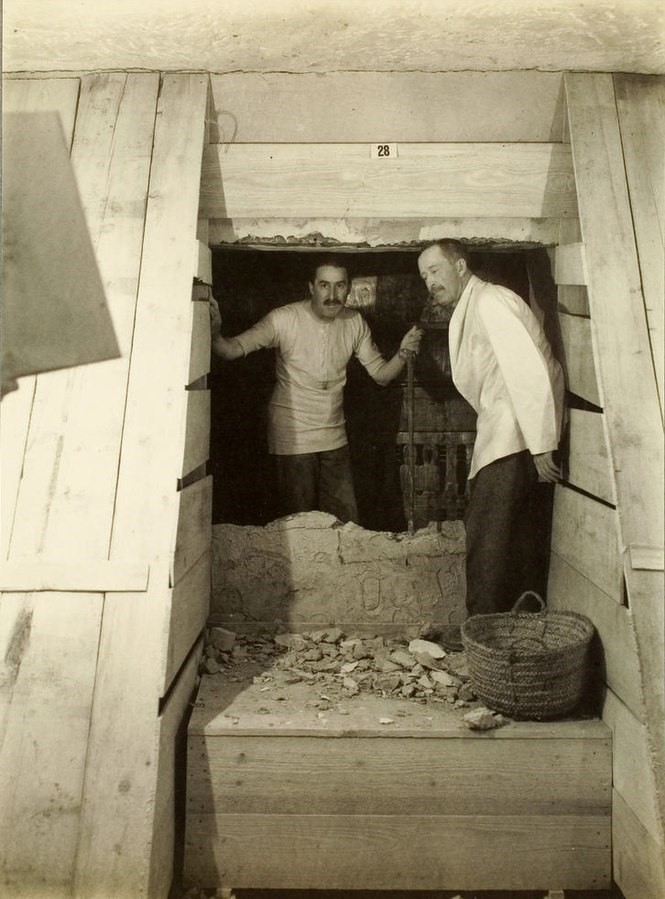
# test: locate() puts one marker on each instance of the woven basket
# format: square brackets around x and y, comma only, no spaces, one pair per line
[528,665]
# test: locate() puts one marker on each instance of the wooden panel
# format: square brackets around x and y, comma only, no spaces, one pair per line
[199,358]
[87,577]
[197,430]
[190,604]
[632,775]
[152,448]
[120,785]
[585,534]
[194,529]
[573,299]
[378,232]
[638,859]
[641,106]
[578,361]
[202,262]
[382,106]
[294,775]
[569,590]
[67,493]
[588,462]
[33,95]
[400,852]
[171,732]
[569,264]
[48,645]
[527,180]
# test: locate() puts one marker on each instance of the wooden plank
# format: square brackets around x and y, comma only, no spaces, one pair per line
[625,366]
[578,361]
[646,558]
[35,95]
[632,769]
[638,859]
[379,107]
[153,436]
[293,775]
[617,660]
[48,645]
[399,852]
[570,264]
[585,534]
[381,232]
[641,107]
[202,262]
[588,459]
[197,430]
[73,577]
[67,494]
[43,94]
[190,604]
[572,298]
[199,357]
[465,179]
[194,530]
[51,280]
[120,781]
[171,733]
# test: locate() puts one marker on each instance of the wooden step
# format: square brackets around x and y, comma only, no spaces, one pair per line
[284,795]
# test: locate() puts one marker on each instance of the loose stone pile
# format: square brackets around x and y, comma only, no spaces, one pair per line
[419,670]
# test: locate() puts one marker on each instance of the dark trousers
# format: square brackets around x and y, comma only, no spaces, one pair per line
[317,481]
[508,526]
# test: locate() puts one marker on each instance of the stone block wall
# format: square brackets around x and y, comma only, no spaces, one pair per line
[307,571]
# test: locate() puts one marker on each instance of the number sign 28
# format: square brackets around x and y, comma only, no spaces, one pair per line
[384,151]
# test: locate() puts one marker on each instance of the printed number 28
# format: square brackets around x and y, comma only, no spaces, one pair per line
[383,150]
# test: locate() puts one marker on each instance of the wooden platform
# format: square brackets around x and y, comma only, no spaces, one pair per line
[285,793]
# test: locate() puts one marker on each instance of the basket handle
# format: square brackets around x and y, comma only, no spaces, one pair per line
[520,601]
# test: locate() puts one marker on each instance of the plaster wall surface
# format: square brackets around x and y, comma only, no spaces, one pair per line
[308,571]
[335,35]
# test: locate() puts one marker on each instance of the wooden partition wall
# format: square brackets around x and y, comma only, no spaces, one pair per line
[105,555]
[607,556]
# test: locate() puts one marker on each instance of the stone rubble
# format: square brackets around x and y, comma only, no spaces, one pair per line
[342,666]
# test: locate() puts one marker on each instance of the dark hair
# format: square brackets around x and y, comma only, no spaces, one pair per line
[338,260]
[451,249]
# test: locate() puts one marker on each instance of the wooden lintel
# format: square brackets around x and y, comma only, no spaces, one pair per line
[570,264]
[36,576]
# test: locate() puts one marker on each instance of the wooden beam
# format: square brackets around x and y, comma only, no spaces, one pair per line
[339,180]
[444,852]
[381,232]
[199,356]
[190,605]
[588,459]
[379,107]
[578,357]
[194,531]
[35,575]
[641,107]
[585,534]
[202,262]
[637,857]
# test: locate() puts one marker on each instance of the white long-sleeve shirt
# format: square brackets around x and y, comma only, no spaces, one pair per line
[502,364]
[306,413]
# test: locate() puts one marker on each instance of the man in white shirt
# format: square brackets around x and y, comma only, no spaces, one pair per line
[503,366]
[315,340]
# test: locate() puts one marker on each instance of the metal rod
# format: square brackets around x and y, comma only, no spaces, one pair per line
[411,398]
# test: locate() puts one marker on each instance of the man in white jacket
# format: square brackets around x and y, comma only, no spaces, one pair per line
[503,366]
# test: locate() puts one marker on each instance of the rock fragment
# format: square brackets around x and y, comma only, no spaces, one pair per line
[483,719]
[433,649]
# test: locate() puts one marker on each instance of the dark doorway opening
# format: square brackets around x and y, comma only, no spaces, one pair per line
[248,283]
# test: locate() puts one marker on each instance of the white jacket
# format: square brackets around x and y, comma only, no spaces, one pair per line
[503,366]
